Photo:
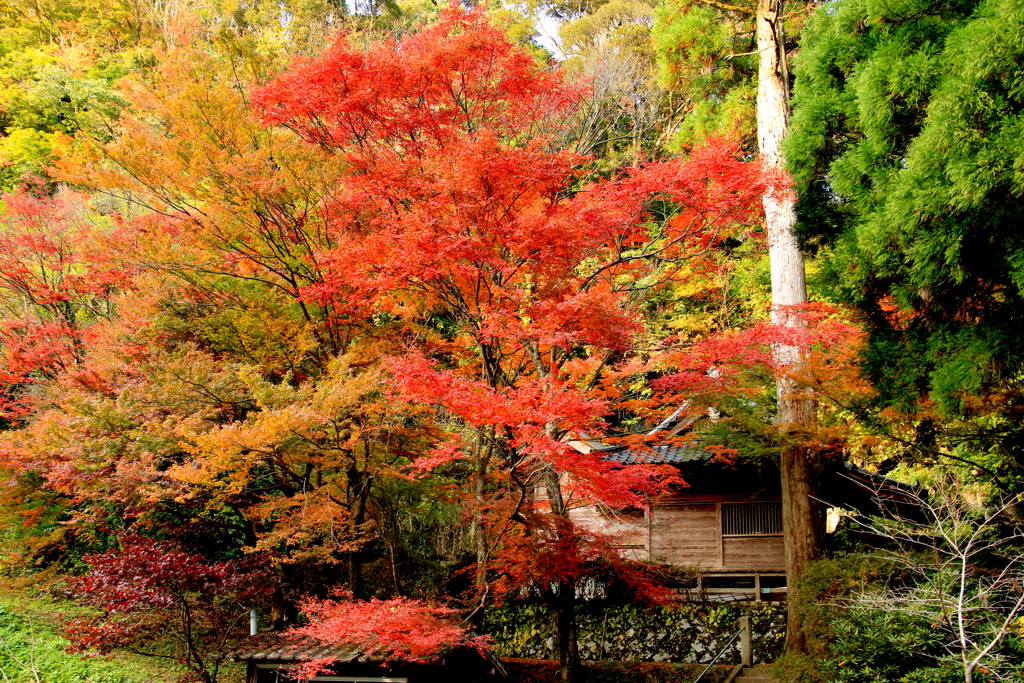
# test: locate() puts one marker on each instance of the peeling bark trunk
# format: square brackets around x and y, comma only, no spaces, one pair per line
[802,516]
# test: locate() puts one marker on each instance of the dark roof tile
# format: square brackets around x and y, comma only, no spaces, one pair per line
[659,454]
[275,646]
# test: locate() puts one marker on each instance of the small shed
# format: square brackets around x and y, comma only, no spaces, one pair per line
[269,656]
[726,524]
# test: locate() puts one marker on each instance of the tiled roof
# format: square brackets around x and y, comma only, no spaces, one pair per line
[672,449]
[274,646]
[279,647]
[657,454]
[858,484]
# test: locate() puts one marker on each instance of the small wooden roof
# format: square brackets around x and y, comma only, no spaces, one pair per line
[282,648]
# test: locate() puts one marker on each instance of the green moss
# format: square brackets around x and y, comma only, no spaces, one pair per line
[689,632]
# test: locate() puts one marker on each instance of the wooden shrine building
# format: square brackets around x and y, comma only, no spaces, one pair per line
[725,525]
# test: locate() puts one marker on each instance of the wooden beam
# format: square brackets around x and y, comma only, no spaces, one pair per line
[721,539]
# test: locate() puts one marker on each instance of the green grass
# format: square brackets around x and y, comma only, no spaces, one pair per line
[32,649]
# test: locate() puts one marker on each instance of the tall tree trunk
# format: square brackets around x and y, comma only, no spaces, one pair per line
[563,595]
[359,494]
[802,518]
[483,463]
[565,629]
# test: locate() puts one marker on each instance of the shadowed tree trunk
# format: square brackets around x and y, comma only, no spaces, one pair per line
[359,494]
[565,625]
[563,594]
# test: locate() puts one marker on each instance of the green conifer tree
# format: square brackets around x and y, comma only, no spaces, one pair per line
[907,145]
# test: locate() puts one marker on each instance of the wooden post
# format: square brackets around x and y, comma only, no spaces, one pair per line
[746,642]
[721,538]
[649,515]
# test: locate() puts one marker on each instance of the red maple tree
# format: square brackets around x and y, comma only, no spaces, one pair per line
[146,594]
[394,629]
[518,276]
[56,280]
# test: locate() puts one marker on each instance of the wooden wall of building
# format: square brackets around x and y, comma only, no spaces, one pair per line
[686,535]
[687,531]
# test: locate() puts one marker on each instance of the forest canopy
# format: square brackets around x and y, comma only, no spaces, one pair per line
[336,311]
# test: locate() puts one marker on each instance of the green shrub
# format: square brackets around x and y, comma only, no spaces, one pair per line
[851,644]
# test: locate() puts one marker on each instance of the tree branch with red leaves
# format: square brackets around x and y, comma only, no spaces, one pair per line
[143,592]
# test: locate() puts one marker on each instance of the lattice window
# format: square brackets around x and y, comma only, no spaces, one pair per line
[751,519]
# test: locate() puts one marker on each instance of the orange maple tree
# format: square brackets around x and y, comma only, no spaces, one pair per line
[263,404]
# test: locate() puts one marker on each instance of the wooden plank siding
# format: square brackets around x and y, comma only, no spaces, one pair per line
[626,532]
[687,531]
[686,535]
[753,553]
